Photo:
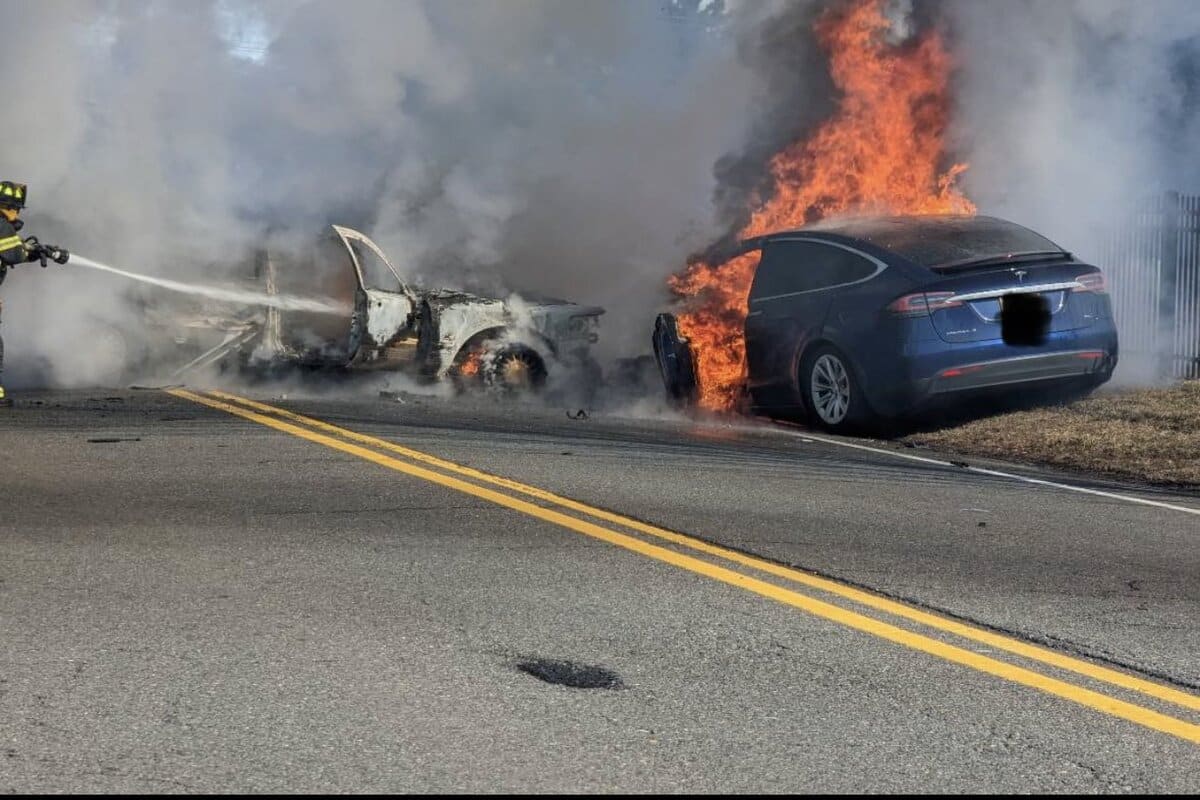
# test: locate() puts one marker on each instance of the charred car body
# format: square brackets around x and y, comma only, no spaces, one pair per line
[865,319]
[384,324]
[430,334]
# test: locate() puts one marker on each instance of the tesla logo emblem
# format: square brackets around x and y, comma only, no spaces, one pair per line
[1021,273]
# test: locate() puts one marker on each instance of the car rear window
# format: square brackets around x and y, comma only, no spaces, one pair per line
[945,243]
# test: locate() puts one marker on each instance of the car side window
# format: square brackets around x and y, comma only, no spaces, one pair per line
[785,267]
[843,266]
[791,266]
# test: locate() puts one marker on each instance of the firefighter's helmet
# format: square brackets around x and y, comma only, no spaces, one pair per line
[12,195]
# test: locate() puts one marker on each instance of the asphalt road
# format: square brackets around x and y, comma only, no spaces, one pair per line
[197,594]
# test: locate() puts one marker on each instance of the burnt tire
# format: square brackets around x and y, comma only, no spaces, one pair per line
[675,363]
[832,393]
[515,369]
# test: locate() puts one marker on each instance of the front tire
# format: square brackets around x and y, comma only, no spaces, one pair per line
[832,394]
[515,369]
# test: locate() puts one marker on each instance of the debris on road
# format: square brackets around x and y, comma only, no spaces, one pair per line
[572,675]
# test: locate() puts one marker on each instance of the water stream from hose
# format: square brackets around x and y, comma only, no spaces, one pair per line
[229,295]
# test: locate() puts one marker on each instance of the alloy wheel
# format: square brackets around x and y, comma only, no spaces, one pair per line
[830,389]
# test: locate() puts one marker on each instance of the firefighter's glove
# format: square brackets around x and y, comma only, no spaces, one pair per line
[43,253]
[34,250]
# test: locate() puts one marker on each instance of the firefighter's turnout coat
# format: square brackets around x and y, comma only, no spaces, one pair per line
[12,248]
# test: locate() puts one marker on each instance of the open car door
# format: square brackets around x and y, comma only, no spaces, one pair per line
[383,302]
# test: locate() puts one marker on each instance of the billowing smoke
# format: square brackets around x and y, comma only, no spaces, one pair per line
[1073,110]
[550,147]
[573,149]
[1073,113]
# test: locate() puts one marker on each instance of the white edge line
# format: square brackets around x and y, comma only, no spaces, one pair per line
[999,474]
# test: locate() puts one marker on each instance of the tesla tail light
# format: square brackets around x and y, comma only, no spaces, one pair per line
[919,303]
[1092,282]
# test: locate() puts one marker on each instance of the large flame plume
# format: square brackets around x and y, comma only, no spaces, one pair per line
[881,152]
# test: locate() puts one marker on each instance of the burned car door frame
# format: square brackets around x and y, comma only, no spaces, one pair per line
[382,317]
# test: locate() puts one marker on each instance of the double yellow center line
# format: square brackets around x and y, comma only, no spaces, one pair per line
[582,518]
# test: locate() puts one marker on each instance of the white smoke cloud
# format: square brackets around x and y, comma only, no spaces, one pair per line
[1071,110]
[563,148]
[1072,113]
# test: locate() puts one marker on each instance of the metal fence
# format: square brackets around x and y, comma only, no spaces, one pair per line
[1153,266]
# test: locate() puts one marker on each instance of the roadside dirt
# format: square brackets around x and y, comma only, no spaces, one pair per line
[1150,435]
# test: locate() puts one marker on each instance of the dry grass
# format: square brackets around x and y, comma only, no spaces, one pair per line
[1149,435]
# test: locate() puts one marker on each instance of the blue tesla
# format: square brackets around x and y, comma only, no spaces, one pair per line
[865,319]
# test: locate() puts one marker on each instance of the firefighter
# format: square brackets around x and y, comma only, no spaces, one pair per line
[14,250]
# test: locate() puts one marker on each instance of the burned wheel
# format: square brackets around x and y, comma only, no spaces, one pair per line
[515,368]
[674,359]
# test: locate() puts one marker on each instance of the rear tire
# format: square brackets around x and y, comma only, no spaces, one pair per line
[832,394]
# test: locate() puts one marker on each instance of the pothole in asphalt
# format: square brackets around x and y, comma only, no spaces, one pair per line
[568,673]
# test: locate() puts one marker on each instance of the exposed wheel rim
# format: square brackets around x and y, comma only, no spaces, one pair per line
[517,372]
[830,389]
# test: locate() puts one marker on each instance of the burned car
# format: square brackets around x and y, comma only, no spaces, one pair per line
[340,305]
[428,334]
[854,321]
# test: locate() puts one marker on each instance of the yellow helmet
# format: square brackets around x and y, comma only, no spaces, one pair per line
[12,195]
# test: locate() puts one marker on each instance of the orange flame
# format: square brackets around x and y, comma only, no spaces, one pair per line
[880,153]
[471,363]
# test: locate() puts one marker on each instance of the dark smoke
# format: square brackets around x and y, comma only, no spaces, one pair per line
[794,94]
